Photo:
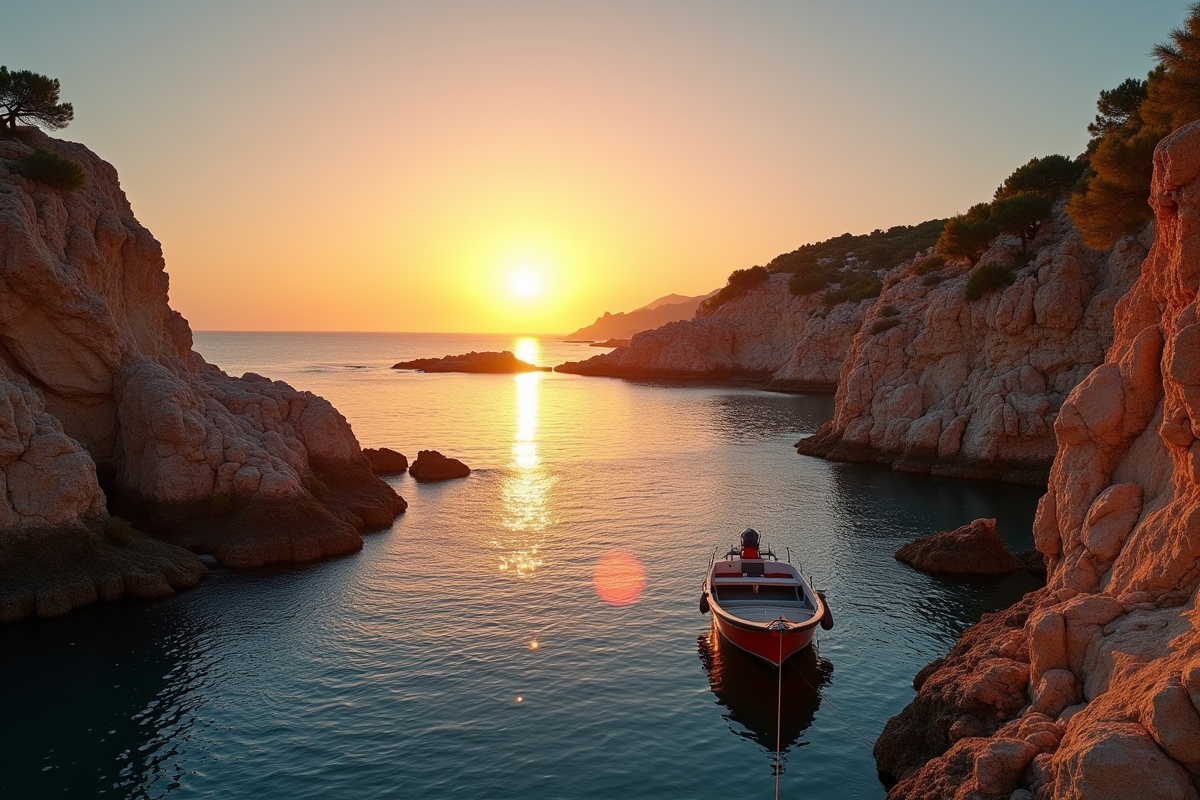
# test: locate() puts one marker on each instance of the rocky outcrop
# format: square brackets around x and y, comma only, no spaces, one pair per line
[936,383]
[385,461]
[106,407]
[503,362]
[433,466]
[973,549]
[788,342]
[1110,646]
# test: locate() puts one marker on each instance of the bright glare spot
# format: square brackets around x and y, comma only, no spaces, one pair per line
[526,348]
[618,578]
[533,645]
[520,699]
[524,283]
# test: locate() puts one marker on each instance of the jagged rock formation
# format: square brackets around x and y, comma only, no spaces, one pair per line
[936,383]
[766,333]
[101,389]
[1096,678]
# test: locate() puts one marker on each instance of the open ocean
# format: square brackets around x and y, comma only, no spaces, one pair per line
[408,671]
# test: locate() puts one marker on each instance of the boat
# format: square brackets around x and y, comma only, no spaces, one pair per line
[762,605]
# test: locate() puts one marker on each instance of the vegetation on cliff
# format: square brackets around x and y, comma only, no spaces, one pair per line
[1132,119]
[29,97]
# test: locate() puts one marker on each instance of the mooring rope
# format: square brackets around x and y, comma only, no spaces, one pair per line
[780,625]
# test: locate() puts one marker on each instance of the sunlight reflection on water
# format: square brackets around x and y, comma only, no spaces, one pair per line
[526,487]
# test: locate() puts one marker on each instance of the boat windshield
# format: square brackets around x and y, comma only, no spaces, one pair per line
[765,594]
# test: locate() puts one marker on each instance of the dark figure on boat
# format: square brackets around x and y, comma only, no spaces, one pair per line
[750,543]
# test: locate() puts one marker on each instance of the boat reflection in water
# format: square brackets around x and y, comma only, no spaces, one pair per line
[749,689]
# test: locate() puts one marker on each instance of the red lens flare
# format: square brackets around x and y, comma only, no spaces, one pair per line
[618,578]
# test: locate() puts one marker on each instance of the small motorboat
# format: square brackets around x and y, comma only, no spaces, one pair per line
[762,605]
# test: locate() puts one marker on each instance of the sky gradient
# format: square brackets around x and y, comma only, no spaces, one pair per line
[390,166]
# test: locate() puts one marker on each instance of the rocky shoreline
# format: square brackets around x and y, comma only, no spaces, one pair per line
[108,411]
[1090,687]
[766,335]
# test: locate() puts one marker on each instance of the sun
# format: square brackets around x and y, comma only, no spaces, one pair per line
[524,283]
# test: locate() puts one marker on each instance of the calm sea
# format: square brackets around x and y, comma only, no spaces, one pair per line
[409,670]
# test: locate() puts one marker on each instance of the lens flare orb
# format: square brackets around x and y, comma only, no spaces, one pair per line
[619,578]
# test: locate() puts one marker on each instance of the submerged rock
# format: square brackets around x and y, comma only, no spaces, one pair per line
[385,461]
[105,405]
[973,549]
[433,466]
[487,362]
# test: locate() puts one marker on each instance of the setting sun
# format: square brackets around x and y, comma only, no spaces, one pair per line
[525,283]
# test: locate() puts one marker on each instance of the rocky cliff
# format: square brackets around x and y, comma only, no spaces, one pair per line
[791,343]
[106,406]
[1090,687]
[937,383]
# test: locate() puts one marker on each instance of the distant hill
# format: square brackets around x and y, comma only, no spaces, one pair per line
[622,325]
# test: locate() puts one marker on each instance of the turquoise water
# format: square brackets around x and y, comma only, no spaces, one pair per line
[407,670]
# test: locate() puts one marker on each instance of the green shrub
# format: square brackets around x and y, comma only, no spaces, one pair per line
[53,170]
[862,286]
[221,505]
[802,283]
[889,311]
[933,279]
[118,530]
[985,278]
[739,281]
[881,325]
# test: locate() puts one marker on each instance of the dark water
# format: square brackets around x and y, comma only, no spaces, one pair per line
[407,670]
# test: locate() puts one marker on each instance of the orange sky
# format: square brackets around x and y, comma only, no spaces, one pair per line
[388,166]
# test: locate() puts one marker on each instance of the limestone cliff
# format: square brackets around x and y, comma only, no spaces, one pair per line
[766,333]
[106,406]
[1090,687]
[936,383]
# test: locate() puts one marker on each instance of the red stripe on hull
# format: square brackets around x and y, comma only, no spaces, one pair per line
[765,644]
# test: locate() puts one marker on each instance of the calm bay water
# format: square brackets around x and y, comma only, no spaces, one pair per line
[407,670]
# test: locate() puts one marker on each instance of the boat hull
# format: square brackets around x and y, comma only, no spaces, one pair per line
[764,644]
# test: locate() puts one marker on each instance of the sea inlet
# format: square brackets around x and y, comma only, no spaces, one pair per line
[467,652]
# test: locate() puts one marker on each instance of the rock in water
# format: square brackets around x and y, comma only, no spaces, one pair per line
[433,466]
[503,362]
[1114,632]
[973,549]
[385,461]
[99,378]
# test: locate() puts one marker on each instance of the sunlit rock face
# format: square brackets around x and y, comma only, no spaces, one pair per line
[972,389]
[791,343]
[1110,646]
[100,378]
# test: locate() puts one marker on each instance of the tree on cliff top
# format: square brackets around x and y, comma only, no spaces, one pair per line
[26,96]
[968,235]
[1022,214]
[1050,176]
[1132,119]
